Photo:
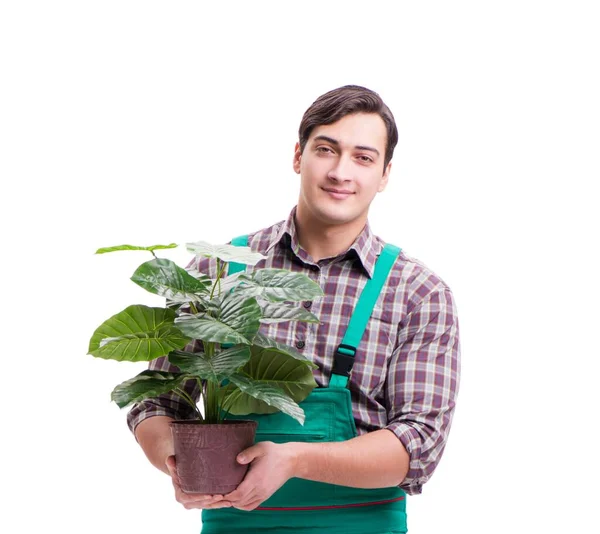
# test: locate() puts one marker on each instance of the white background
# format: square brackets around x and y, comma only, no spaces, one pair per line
[151,122]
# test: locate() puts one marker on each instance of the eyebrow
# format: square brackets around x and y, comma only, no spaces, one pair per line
[337,143]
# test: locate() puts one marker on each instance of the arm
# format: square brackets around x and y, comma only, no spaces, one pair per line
[154,436]
[422,383]
[373,460]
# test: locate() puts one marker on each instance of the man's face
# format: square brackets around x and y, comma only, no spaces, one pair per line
[341,170]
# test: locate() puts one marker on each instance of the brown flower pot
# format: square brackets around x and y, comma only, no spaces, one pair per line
[205,454]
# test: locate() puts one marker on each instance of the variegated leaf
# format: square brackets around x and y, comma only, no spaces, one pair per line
[228,253]
[216,368]
[165,278]
[278,285]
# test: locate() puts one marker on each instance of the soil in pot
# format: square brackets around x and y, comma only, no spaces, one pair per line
[205,454]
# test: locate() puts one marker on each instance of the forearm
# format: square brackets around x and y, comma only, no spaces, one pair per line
[155,438]
[374,460]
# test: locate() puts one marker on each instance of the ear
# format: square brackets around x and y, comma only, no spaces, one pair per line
[297,157]
[384,179]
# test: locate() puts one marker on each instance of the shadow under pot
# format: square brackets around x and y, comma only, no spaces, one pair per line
[205,454]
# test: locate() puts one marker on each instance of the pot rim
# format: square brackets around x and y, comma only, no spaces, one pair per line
[200,423]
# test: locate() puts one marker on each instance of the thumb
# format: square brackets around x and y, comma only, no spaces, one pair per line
[245,457]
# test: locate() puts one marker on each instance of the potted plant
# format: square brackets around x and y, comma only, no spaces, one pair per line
[240,371]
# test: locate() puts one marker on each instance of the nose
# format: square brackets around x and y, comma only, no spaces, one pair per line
[342,170]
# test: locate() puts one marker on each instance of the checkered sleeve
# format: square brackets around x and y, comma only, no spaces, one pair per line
[422,383]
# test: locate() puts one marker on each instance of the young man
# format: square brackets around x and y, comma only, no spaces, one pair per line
[405,373]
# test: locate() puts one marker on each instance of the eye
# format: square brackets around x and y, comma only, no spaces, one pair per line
[324,150]
[365,159]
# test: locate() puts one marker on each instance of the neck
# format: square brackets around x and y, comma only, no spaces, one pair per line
[325,241]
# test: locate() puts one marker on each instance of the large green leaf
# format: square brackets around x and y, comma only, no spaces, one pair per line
[216,368]
[279,285]
[268,369]
[145,385]
[279,313]
[138,333]
[237,321]
[265,342]
[132,247]
[264,394]
[228,253]
[165,278]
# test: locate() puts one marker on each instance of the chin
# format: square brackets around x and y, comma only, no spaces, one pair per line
[334,217]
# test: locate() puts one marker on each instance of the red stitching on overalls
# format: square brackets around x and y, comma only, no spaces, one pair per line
[329,507]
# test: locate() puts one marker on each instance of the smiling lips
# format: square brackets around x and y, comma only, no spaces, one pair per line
[338,193]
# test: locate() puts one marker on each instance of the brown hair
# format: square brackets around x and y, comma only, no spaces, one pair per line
[336,104]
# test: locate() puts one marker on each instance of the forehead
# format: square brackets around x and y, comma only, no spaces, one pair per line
[355,130]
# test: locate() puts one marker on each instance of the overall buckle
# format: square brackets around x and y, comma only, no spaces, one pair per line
[343,362]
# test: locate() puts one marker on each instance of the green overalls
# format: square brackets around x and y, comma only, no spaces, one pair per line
[303,506]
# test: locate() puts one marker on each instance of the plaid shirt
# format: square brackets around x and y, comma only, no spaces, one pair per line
[406,371]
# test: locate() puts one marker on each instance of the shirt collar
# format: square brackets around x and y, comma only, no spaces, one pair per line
[366,246]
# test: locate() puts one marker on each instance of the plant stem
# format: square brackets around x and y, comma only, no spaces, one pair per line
[226,406]
[212,292]
[211,392]
[193,307]
[209,405]
[203,388]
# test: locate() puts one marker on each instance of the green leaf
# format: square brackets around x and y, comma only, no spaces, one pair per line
[268,369]
[228,253]
[165,278]
[275,399]
[237,321]
[132,247]
[138,333]
[279,285]
[217,368]
[263,341]
[279,313]
[230,282]
[145,385]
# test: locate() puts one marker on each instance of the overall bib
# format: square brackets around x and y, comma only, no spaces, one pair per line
[303,506]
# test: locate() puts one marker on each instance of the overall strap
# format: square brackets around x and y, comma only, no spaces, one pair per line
[240,241]
[344,355]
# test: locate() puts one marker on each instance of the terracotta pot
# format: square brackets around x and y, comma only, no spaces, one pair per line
[205,454]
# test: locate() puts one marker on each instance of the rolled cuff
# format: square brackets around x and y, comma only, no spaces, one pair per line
[163,405]
[412,442]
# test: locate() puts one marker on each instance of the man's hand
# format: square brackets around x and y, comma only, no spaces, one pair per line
[194,500]
[271,466]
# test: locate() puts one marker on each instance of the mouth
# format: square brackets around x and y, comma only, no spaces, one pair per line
[339,194]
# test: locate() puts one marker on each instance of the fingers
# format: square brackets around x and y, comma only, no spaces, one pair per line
[241,493]
[193,500]
[250,506]
[199,500]
[244,497]
[207,503]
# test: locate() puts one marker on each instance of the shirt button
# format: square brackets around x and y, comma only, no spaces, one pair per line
[300,344]
[308,304]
